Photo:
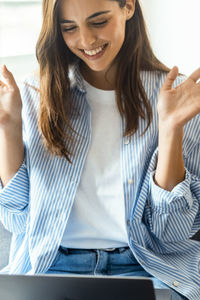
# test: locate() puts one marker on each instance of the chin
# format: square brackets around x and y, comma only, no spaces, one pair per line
[96,68]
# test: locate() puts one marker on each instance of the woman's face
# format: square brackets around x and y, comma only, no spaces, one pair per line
[94,30]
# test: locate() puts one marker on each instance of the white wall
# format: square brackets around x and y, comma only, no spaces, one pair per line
[18,35]
[174,29]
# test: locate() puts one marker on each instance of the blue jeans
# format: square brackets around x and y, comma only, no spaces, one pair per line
[117,262]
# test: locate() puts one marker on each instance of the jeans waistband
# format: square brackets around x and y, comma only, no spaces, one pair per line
[66,251]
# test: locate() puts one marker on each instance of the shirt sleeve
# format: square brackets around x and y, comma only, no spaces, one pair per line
[14,199]
[14,196]
[175,215]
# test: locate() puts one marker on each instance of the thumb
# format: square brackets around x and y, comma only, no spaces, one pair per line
[7,76]
[171,76]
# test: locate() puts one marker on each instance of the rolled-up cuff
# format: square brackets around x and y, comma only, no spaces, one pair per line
[179,198]
[15,195]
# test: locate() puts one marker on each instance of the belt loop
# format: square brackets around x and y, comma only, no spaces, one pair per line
[123,249]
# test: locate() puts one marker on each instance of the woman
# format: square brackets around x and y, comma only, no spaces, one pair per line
[103,180]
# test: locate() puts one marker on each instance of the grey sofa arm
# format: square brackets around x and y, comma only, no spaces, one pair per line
[5,239]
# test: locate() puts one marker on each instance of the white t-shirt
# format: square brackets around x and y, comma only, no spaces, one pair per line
[97,219]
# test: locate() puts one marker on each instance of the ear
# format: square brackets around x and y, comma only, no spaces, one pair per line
[130,8]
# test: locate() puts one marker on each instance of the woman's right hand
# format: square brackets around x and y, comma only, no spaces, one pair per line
[10,101]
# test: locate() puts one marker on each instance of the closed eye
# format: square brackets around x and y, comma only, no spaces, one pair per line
[99,24]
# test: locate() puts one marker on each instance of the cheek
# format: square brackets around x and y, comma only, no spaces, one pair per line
[117,32]
[68,41]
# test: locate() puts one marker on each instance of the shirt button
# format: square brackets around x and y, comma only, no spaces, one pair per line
[130,181]
[126,140]
[175,283]
[128,222]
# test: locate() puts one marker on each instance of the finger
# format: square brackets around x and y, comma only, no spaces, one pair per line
[171,76]
[195,75]
[2,84]
[7,76]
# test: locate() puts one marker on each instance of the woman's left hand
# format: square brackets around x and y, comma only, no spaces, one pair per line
[176,106]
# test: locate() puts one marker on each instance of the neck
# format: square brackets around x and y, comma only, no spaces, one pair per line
[100,79]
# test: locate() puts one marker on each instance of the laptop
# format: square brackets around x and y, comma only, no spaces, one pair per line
[77,287]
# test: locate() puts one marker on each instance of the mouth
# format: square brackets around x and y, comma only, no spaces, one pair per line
[96,53]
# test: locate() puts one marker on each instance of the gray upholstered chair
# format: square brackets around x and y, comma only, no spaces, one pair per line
[196,236]
[5,238]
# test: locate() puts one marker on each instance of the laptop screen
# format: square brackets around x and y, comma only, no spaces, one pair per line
[65,287]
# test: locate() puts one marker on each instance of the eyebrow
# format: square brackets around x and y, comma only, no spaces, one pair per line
[62,21]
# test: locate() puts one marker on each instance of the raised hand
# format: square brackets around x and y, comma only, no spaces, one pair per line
[176,106]
[11,146]
[10,100]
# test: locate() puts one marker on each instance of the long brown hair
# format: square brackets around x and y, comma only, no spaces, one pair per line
[55,59]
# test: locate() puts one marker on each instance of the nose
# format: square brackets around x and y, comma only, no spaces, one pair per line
[87,38]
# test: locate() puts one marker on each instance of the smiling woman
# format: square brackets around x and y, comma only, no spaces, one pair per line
[100,152]
[87,35]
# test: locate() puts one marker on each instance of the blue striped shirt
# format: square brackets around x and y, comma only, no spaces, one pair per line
[36,203]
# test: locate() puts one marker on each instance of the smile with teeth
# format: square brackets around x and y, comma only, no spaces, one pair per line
[94,52]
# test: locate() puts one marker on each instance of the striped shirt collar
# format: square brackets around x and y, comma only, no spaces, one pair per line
[76,80]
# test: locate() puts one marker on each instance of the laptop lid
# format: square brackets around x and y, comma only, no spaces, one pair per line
[65,287]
